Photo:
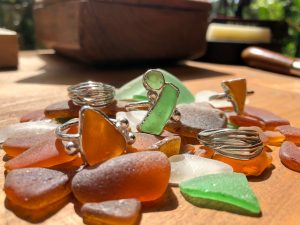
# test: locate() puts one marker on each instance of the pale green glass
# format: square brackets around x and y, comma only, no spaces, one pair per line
[160,113]
[230,188]
[154,79]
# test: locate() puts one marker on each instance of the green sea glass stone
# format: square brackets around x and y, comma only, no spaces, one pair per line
[135,88]
[153,79]
[155,120]
[229,188]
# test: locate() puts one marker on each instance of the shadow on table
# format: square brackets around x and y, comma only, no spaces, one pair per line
[61,70]
[264,176]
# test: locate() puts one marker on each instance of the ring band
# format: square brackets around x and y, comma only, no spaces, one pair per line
[94,94]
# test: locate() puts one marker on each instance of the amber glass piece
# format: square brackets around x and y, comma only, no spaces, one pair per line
[252,167]
[241,120]
[35,188]
[236,89]
[33,116]
[45,154]
[169,145]
[100,139]
[204,151]
[140,175]
[274,138]
[121,212]
[271,120]
[196,117]
[15,146]
[291,133]
[63,109]
[289,155]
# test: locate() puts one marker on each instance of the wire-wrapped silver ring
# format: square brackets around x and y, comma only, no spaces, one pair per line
[233,143]
[94,94]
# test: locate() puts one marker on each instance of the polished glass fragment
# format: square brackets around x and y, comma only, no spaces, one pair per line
[155,120]
[126,176]
[274,138]
[228,188]
[271,120]
[196,117]
[252,167]
[186,166]
[242,120]
[33,116]
[121,212]
[34,188]
[45,154]
[291,133]
[100,139]
[289,155]
[134,118]
[236,90]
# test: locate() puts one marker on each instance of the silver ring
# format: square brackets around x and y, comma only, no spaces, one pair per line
[221,96]
[73,142]
[233,143]
[94,94]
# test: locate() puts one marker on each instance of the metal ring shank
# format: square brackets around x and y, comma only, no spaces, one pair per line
[67,137]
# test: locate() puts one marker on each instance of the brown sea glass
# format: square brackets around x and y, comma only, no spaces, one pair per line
[252,167]
[289,155]
[33,116]
[115,212]
[196,117]
[291,133]
[274,138]
[67,109]
[271,120]
[45,154]
[242,120]
[141,175]
[204,151]
[16,145]
[35,188]
[100,139]
[146,142]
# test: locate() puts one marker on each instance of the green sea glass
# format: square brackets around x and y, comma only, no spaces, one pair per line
[155,120]
[228,188]
[135,89]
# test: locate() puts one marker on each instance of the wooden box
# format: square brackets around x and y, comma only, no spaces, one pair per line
[106,31]
[9,48]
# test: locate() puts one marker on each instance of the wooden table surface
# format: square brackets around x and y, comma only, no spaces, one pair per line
[43,77]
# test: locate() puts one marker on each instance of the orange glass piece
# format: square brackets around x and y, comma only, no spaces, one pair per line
[16,145]
[204,151]
[236,89]
[121,212]
[271,120]
[100,139]
[45,154]
[146,142]
[241,120]
[34,188]
[252,167]
[141,175]
[289,155]
[291,133]
[33,116]
[274,138]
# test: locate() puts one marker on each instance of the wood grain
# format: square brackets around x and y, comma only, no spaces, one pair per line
[42,79]
[123,30]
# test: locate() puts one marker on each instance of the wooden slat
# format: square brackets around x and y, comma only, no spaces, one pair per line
[43,79]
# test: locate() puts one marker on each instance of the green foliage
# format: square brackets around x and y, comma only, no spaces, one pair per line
[17,15]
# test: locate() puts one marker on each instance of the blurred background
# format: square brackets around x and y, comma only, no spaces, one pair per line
[17,15]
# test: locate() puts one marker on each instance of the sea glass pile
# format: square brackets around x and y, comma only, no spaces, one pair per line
[121,178]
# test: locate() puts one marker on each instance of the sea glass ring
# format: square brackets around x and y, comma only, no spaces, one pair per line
[161,104]
[94,94]
[99,138]
[233,143]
